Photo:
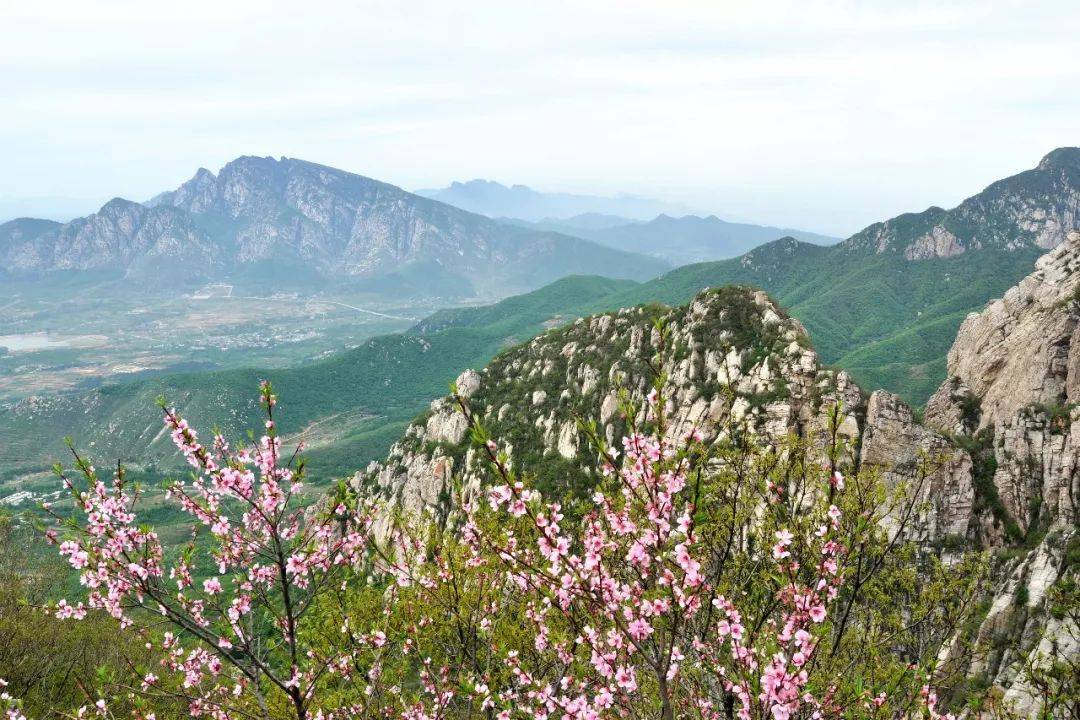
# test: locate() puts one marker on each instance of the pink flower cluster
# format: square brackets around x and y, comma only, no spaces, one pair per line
[624,608]
[636,574]
[267,562]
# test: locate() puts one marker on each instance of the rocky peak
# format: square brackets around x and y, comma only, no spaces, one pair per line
[287,211]
[775,256]
[1063,158]
[532,397]
[119,209]
[197,195]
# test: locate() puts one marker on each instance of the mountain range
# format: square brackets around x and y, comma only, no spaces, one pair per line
[991,465]
[677,240]
[308,224]
[871,308]
[493,199]
[886,303]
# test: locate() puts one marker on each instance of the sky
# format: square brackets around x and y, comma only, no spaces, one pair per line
[824,116]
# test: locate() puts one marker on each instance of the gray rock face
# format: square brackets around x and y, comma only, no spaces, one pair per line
[1015,377]
[299,215]
[938,242]
[122,234]
[1014,385]
[936,474]
[1020,350]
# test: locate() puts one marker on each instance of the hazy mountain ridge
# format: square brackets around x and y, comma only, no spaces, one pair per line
[522,202]
[692,238]
[295,214]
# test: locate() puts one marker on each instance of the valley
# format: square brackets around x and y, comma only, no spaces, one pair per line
[77,334]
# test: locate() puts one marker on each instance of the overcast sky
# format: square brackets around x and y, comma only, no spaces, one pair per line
[824,116]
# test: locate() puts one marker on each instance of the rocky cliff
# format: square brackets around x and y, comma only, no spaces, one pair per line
[1005,427]
[300,218]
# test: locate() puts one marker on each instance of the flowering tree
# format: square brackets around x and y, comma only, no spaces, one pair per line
[735,581]
[236,601]
[688,590]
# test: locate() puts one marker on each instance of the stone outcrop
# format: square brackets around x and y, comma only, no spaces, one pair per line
[926,465]
[1014,380]
[729,356]
[1019,351]
[1011,400]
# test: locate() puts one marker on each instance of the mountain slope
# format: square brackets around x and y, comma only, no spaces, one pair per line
[532,396]
[1009,404]
[687,239]
[17,239]
[1036,208]
[260,218]
[518,201]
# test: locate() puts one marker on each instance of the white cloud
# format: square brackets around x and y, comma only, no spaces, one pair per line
[822,114]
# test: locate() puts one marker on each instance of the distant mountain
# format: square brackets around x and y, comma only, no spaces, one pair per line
[577,225]
[681,240]
[22,232]
[519,201]
[59,209]
[1034,209]
[305,223]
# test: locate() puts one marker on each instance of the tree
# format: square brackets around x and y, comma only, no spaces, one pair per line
[740,583]
[739,580]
